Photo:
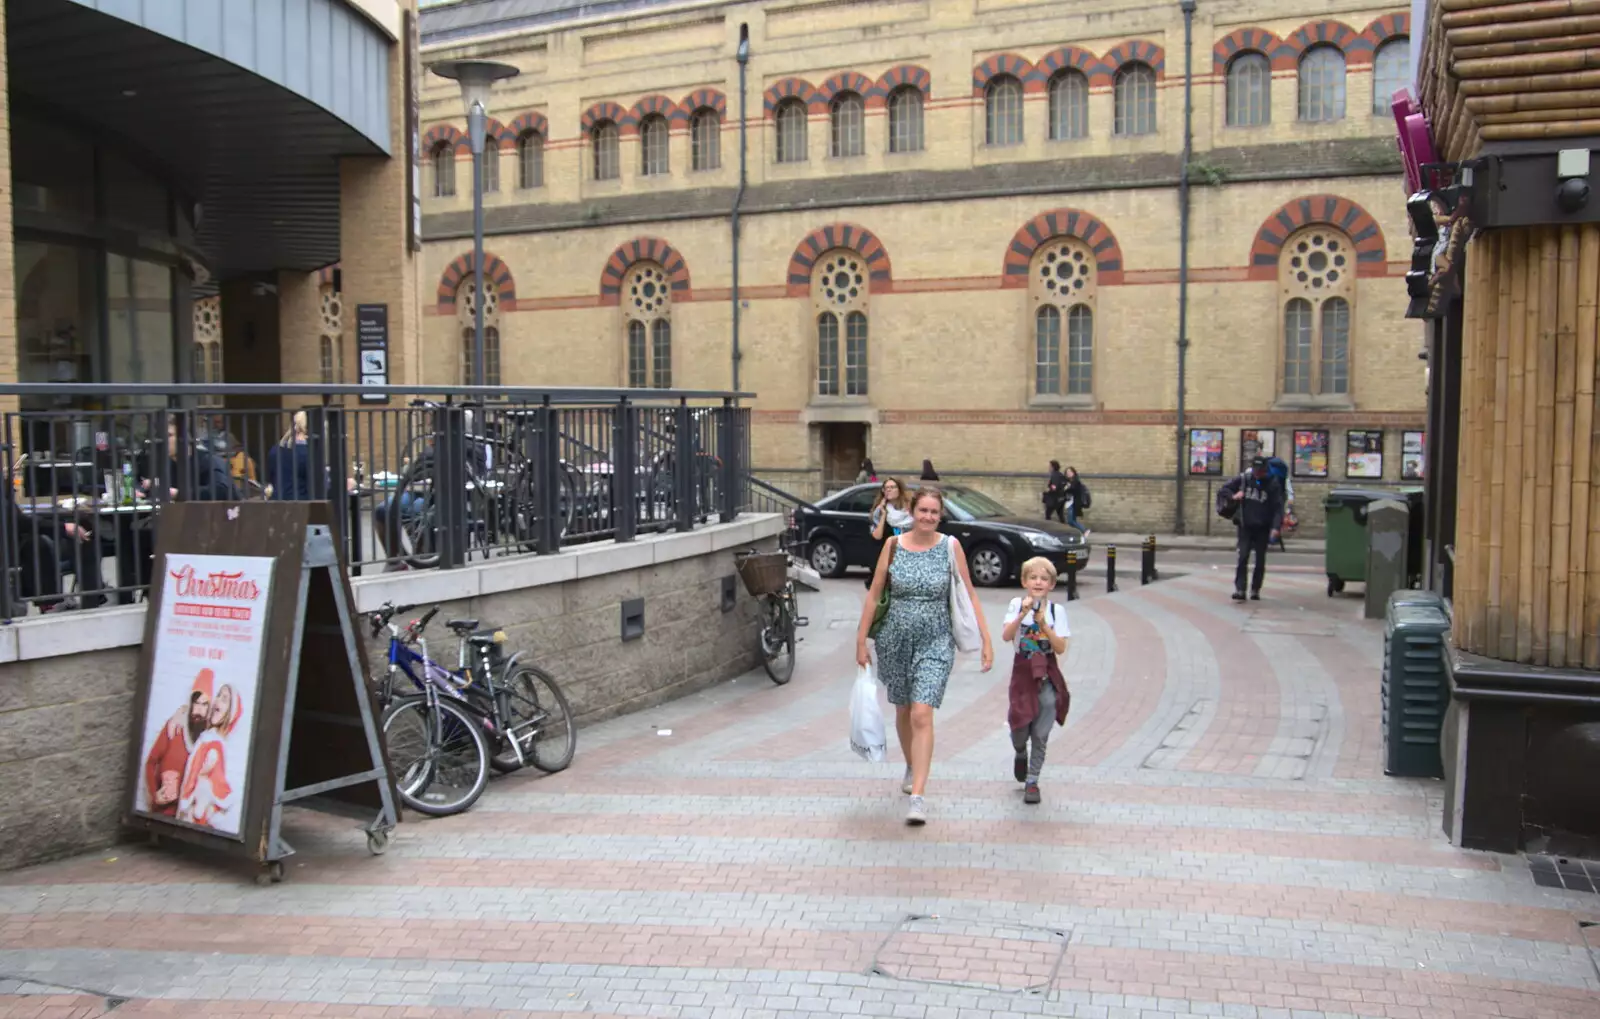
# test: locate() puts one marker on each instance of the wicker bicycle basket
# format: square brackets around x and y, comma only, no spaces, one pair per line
[763,572]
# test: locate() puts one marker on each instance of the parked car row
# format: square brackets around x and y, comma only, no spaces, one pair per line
[837,534]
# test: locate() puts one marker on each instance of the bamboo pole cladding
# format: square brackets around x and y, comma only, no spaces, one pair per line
[1583,99]
[1556,129]
[1527,585]
[1518,31]
[1524,47]
[1463,16]
[1565,59]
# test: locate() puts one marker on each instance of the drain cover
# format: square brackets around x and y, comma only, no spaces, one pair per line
[979,954]
[1564,872]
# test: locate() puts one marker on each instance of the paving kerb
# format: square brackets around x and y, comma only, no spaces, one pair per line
[748,866]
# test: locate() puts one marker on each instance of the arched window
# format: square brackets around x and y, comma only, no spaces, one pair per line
[332,347]
[1316,271]
[1249,90]
[638,355]
[443,158]
[1062,284]
[1069,105]
[905,119]
[466,312]
[491,165]
[839,284]
[1322,84]
[606,142]
[1391,72]
[1134,100]
[1002,111]
[1047,351]
[206,356]
[705,140]
[791,124]
[661,354]
[654,157]
[847,125]
[647,313]
[530,160]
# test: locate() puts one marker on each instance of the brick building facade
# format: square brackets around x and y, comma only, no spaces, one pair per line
[960,232]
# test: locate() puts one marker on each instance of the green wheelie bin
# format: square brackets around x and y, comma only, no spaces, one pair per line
[1345,551]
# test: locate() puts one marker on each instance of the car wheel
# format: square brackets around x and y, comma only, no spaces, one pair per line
[827,558]
[988,566]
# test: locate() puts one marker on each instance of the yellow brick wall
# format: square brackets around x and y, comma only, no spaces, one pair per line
[951,348]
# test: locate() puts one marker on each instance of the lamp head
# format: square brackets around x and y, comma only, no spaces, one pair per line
[476,78]
[743,53]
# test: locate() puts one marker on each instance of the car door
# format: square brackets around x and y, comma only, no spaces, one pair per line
[850,517]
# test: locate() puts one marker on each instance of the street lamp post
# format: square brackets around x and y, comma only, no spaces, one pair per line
[476,78]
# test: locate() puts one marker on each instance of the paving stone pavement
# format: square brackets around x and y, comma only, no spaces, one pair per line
[1217,838]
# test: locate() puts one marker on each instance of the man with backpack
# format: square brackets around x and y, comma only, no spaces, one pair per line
[1254,501]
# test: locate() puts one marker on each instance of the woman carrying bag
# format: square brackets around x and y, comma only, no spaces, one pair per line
[931,610]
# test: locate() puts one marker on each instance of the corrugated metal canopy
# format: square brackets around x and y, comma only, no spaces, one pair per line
[261,161]
[469,19]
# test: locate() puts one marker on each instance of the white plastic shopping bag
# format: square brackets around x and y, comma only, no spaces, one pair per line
[866,718]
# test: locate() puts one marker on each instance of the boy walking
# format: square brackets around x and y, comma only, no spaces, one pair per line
[1039,698]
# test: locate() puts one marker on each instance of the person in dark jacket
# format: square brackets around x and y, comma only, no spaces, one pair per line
[1055,493]
[49,548]
[1254,501]
[1077,500]
[289,463]
[928,473]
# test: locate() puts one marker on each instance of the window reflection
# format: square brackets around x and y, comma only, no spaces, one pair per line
[140,323]
[56,320]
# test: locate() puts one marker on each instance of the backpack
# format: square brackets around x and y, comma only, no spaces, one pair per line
[1088,500]
[1276,468]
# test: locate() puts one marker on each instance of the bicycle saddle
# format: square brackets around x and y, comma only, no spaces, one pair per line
[462,625]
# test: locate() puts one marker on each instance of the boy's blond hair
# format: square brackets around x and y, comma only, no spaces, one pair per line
[1041,564]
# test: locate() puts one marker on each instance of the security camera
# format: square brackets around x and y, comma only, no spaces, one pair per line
[1572,194]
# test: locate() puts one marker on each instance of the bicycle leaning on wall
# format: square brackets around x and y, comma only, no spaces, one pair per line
[766,577]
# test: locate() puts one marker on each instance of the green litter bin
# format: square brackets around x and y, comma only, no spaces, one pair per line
[1415,689]
[1345,551]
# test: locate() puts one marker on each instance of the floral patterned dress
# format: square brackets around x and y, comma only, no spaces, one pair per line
[915,648]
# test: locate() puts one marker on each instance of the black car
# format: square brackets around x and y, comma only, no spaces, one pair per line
[837,533]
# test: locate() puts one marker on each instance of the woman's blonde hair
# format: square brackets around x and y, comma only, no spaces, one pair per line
[298,425]
[1042,565]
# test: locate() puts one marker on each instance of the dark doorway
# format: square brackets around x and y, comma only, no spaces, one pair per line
[844,446]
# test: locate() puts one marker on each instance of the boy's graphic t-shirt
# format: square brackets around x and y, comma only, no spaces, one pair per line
[1030,640]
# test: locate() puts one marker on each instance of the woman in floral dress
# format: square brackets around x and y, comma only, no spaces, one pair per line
[916,650]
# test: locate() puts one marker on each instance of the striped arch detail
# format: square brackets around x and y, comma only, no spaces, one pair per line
[626,125]
[494,270]
[1075,57]
[778,91]
[905,74]
[444,133]
[1331,210]
[704,98]
[1385,28]
[1337,33]
[498,133]
[530,121]
[651,105]
[643,249]
[848,81]
[840,235]
[1063,223]
[1242,40]
[1005,63]
[1141,50]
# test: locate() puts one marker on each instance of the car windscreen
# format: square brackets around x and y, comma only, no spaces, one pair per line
[974,505]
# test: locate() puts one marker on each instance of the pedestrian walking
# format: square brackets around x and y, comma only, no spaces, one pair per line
[916,645]
[1055,493]
[891,514]
[867,472]
[1078,500]
[1039,698]
[928,473]
[1254,502]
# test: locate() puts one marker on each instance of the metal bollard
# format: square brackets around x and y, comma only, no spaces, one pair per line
[1072,574]
[1111,569]
[1147,560]
[1155,575]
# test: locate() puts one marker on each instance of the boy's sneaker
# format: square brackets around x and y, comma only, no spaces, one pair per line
[905,786]
[1030,794]
[1238,596]
[916,812]
[1019,767]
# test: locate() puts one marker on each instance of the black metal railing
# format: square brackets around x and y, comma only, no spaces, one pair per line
[432,478]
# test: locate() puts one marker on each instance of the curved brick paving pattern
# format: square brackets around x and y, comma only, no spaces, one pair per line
[1217,839]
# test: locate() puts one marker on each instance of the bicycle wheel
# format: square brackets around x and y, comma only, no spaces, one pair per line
[539,720]
[437,754]
[412,520]
[777,636]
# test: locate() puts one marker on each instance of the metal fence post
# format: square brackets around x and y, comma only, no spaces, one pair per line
[450,484]
[9,513]
[330,455]
[729,448]
[1111,569]
[546,460]
[684,466]
[624,494]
